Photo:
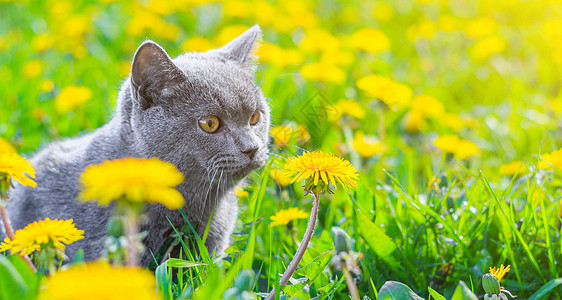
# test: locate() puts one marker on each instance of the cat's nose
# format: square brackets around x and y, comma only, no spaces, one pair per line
[251,151]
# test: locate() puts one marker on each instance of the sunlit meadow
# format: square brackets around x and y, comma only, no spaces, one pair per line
[451,112]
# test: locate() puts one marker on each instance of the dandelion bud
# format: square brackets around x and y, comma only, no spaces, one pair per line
[491,284]
[116,227]
[342,241]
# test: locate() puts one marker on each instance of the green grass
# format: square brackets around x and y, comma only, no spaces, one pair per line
[409,231]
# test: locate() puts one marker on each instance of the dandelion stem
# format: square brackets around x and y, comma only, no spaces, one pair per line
[302,248]
[6,222]
[131,233]
[350,283]
[10,234]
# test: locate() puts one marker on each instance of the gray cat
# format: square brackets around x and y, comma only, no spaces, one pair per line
[202,112]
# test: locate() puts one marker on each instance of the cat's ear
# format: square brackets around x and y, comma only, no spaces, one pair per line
[152,71]
[242,49]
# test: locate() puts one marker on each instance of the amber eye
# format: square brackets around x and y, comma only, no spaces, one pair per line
[209,124]
[254,119]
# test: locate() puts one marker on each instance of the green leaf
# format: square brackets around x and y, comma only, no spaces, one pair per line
[78,257]
[29,276]
[163,277]
[462,292]
[163,281]
[180,263]
[315,267]
[294,288]
[12,285]
[393,290]
[512,227]
[435,294]
[545,289]
[378,241]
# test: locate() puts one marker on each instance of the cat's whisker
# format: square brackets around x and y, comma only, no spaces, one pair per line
[218,193]
[210,182]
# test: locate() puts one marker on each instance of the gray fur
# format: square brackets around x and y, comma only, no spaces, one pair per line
[157,115]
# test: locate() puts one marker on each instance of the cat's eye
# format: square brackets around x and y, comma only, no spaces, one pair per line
[254,119]
[209,124]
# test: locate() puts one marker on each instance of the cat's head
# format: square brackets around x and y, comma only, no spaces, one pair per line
[201,111]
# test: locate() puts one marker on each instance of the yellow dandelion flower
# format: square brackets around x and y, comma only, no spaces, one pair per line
[392,93]
[555,104]
[414,122]
[264,13]
[17,167]
[282,134]
[318,39]
[551,29]
[338,57]
[280,177]
[366,145]
[446,143]
[322,71]
[284,216]
[79,51]
[161,7]
[240,192]
[466,149]
[500,272]
[144,22]
[237,9]
[46,85]
[288,57]
[486,47]
[480,27]
[141,22]
[99,280]
[509,169]
[299,14]
[36,235]
[32,68]
[370,40]
[460,148]
[556,54]
[424,29]
[230,32]
[198,44]
[428,105]
[273,54]
[551,160]
[42,42]
[124,68]
[348,107]
[77,25]
[317,165]
[135,180]
[71,97]
[452,121]
[3,43]
[167,31]
[5,146]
